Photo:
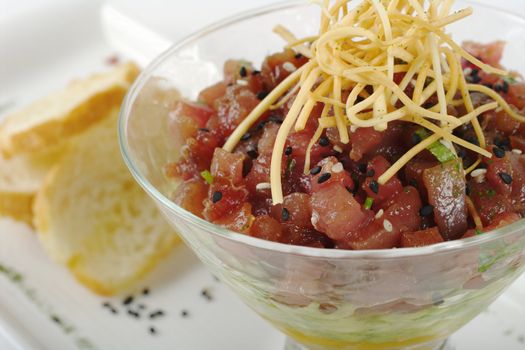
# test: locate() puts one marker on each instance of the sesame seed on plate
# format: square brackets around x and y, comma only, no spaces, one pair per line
[517,151]
[506,178]
[315,170]
[379,213]
[242,82]
[289,67]
[217,196]
[388,225]
[324,177]
[478,173]
[263,186]
[338,149]
[337,168]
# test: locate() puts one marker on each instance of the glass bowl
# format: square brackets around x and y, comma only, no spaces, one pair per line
[322,299]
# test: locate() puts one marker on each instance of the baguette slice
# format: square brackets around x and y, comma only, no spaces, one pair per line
[94,218]
[20,179]
[65,113]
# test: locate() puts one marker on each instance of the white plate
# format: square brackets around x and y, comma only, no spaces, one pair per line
[42,307]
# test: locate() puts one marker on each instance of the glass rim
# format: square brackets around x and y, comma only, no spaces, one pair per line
[139,83]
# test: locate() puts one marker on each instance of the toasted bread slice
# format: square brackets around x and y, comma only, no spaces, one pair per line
[94,218]
[20,179]
[65,113]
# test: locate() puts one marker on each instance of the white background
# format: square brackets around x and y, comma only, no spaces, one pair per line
[178,18]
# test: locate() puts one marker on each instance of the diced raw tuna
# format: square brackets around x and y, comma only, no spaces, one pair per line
[380,193]
[421,238]
[445,184]
[335,211]
[190,195]
[227,166]
[266,227]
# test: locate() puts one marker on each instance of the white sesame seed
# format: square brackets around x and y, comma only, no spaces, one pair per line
[242,82]
[379,213]
[338,149]
[263,186]
[517,151]
[467,71]
[479,175]
[337,168]
[388,225]
[289,67]
[315,218]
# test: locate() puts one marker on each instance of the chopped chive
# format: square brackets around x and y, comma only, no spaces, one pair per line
[207,176]
[369,201]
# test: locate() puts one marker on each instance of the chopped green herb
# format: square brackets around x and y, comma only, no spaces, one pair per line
[369,202]
[491,192]
[206,175]
[477,232]
[510,80]
[290,166]
[439,150]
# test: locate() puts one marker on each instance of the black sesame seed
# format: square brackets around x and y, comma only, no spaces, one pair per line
[128,300]
[505,87]
[204,129]
[152,330]
[506,178]
[145,291]
[156,314]
[184,313]
[462,153]
[370,173]
[246,136]
[285,214]
[315,170]
[324,177]
[252,153]
[262,95]
[288,151]
[134,314]
[416,139]
[374,186]
[362,167]
[142,306]
[243,72]
[206,294]
[426,210]
[275,119]
[323,141]
[256,72]
[498,152]
[298,56]
[217,196]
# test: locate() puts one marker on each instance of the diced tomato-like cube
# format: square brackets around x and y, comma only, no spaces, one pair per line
[516,95]
[378,165]
[414,173]
[238,220]
[227,166]
[384,232]
[497,170]
[267,141]
[305,236]
[231,198]
[190,195]
[490,53]
[266,227]
[335,212]
[236,104]
[213,93]
[198,112]
[518,142]
[421,238]
[298,210]
[274,70]
[201,148]
[363,141]
[446,188]
[336,177]
[488,202]
[502,220]
[518,182]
